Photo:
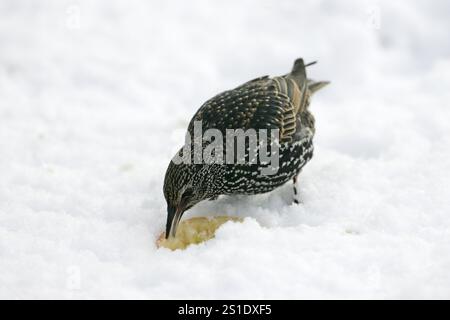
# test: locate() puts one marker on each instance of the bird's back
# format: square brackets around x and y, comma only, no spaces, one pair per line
[264,103]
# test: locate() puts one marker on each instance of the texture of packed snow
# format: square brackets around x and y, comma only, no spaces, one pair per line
[94,100]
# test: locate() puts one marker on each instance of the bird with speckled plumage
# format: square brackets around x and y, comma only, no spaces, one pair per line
[280,103]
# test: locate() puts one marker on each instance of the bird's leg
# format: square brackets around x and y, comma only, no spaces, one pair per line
[296,195]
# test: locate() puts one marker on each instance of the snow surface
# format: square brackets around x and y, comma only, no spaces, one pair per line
[94,100]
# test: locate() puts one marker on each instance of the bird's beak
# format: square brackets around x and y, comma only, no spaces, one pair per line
[173,219]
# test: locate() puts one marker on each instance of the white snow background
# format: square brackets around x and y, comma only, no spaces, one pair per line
[94,100]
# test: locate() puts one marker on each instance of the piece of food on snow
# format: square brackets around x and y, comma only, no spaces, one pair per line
[194,231]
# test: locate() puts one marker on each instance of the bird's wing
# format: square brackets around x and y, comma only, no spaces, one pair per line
[256,80]
[262,103]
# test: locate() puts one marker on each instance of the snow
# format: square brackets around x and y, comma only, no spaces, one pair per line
[94,100]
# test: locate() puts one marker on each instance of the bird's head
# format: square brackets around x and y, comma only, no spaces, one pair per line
[183,189]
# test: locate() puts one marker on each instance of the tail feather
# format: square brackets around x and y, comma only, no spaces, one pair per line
[315,86]
[310,64]
[298,73]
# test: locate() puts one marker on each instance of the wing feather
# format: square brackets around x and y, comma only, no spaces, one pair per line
[262,103]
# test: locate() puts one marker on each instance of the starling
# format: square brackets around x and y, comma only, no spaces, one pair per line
[279,103]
